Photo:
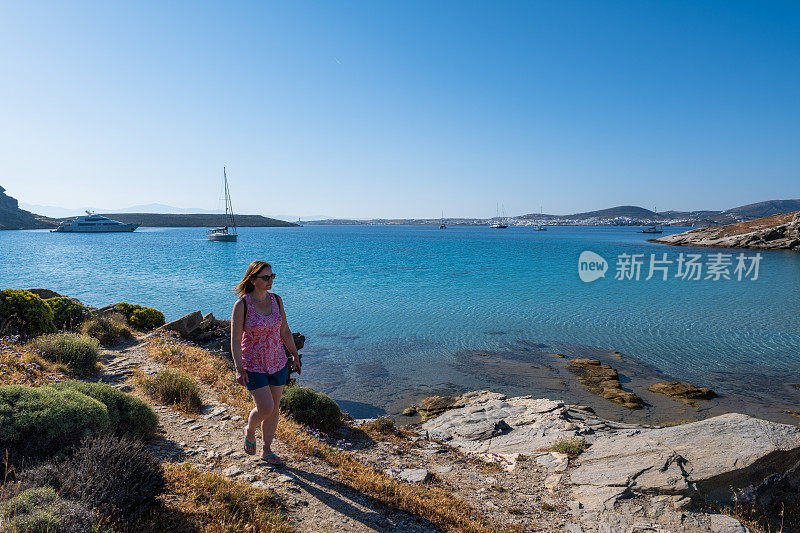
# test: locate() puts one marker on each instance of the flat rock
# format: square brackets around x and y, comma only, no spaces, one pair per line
[415,475]
[553,461]
[683,391]
[232,471]
[715,457]
[603,380]
[492,424]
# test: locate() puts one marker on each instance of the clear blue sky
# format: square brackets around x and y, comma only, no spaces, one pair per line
[401,109]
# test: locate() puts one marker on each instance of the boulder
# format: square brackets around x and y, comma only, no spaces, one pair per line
[491,423]
[720,458]
[184,325]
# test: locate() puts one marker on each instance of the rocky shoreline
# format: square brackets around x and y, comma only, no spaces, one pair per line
[777,232]
[632,477]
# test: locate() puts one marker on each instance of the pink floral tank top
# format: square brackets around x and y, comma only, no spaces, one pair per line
[262,347]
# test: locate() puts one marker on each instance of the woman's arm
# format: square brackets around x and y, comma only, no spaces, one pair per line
[237,320]
[286,337]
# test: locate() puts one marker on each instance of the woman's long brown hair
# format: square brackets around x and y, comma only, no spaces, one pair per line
[246,285]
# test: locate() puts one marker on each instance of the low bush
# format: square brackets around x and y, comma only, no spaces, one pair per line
[35,316]
[311,408]
[570,445]
[41,510]
[173,387]
[383,424]
[144,318]
[117,476]
[106,330]
[67,314]
[41,421]
[128,415]
[78,353]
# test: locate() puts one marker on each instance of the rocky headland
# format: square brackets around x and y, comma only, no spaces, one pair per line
[777,232]
[12,217]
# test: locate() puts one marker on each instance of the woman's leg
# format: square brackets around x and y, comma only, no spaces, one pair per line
[270,424]
[262,410]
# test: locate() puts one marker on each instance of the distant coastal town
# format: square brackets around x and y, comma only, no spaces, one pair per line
[13,217]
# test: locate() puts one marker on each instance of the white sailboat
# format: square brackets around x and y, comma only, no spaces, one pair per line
[442,225]
[501,222]
[226,233]
[539,227]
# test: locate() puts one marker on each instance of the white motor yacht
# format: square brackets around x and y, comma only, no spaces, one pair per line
[92,223]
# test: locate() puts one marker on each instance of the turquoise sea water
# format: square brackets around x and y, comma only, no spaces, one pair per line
[385,308]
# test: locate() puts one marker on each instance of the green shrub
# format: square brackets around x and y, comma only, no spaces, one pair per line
[117,476]
[144,318]
[67,315]
[311,408]
[173,387]
[36,317]
[41,510]
[569,445]
[128,415]
[40,421]
[79,353]
[147,318]
[106,330]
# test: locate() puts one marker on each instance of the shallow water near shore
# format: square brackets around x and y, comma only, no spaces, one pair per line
[392,313]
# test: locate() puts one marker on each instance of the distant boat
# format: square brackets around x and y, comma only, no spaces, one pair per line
[226,233]
[539,227]
[501,222]
[441,222]
[653,229]
[92,223]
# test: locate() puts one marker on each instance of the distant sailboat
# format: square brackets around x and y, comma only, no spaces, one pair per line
[653,229]
[501,222]
[441,222]
[539,227]
[226,233]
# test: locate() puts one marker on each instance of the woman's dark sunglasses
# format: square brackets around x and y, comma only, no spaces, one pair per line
[266,278]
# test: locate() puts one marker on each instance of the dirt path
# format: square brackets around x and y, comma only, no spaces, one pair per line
[316,501]
[313,491]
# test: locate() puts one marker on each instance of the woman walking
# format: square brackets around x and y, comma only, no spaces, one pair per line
[258,334]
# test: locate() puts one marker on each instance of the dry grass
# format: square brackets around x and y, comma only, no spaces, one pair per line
[172,387]
[219,504]
[22,365]
[429,502]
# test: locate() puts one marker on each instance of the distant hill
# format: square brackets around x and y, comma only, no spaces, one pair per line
[765,209]
[62,212]
[12,217]
[195,220]
[630,211]
[734,214]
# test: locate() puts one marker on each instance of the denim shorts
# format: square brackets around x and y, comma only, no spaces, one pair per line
[256,380]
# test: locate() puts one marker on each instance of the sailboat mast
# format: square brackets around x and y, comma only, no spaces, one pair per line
[229,220]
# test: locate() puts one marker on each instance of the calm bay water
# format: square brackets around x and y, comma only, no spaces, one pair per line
[386,308]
